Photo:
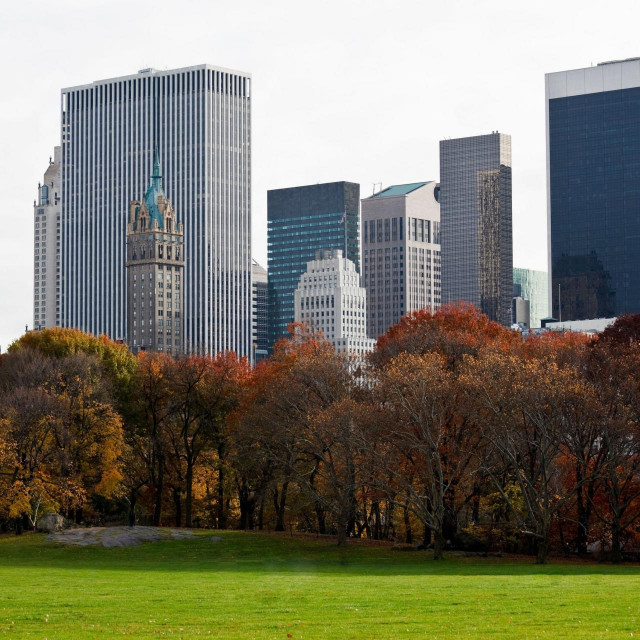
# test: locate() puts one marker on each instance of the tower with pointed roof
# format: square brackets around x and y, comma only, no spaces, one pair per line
[155,272]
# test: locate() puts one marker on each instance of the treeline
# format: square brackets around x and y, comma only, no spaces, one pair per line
[456,432]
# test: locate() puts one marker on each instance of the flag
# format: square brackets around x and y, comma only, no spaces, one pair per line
[344,217]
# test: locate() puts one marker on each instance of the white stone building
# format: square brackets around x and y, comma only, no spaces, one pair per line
[330,299]
[46,248]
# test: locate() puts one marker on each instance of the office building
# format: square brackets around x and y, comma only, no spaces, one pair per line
[534,287]
[329,299]
[46,248]
[259,311]
[155,272]
[300,221]
[401,253]
[475,208]
[199,118]
[593,190]
[520,312]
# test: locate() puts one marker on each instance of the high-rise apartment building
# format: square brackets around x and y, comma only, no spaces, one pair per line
[593,190]
[46,248]
[199,118]
[329,299]
[155,272]
[401,253]
[259,311]
[300,221]
[475,208]
[534,287]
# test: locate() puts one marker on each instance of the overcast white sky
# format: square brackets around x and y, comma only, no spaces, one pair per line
[342,90]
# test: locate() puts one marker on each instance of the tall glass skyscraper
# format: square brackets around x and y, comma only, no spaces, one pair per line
[534,287]
[300,221]
[593,190]
[199,120]
[475,214]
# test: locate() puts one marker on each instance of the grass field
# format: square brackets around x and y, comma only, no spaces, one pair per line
[262,586]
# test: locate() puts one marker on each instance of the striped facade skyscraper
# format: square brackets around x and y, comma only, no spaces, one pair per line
[199,119]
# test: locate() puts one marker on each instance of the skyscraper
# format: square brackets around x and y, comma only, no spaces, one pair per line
[300,221]
[593,190]
[155,272]
[533,286]
[401,253]
[46,248]
[329,299]
[259,311]
[475,209]
[200,120]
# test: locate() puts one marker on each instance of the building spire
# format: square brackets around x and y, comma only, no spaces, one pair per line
[157,173]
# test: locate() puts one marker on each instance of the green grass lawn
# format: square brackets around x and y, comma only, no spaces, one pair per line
[262,586]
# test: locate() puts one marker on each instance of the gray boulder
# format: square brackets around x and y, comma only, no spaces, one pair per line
[51,523]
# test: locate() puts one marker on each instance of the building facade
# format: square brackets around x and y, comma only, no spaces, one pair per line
[534,287]
[329,299]
[401,253]
[259,311]
[475,208]
[521,312]
[46,248]
[301,220]
[155,272]
[593,190]
[200,119]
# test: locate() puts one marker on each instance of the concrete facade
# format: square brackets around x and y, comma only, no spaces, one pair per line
[155,273]
[401,253]
[329,299]
[259,311]
[46,248]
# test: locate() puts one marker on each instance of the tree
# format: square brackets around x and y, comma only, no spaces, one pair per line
[205,391]
[522,405]
[428,444]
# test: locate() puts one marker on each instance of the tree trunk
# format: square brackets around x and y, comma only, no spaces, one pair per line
[542,550]
[616,542]
[408,537]
[188,503]
[438,544]
[261,513]
[426,540]
[133,498]
[322,523]
[222,516]
[177,506]
[280,503]
[157,511]
[243,501]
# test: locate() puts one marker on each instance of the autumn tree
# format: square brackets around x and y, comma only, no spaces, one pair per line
[429,446]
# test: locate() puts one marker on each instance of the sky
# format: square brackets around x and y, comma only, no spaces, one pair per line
[342,90]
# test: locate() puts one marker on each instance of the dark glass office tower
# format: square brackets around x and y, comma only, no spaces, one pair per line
[475,214]
[302,220]
[593,190]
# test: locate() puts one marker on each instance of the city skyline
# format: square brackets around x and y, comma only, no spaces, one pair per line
[355,130]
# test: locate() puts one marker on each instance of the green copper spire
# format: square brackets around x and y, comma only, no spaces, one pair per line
[157,174]
[154,191]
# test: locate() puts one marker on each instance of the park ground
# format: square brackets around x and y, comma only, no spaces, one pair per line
[267,586]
